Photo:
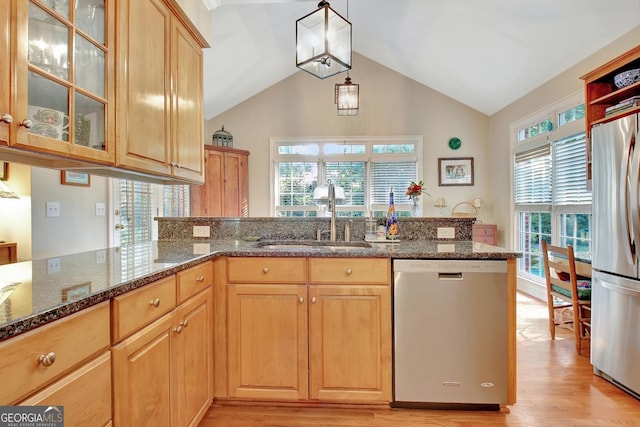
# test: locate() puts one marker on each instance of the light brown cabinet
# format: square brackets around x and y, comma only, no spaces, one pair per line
[309,336]
[159,97]
[58,95]
[485,233]
[602,93]
[163,372]
[85,394]
[225,192]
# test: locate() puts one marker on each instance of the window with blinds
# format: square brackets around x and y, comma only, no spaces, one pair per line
[136,212]
[570,171]
[366,168]
[533,177]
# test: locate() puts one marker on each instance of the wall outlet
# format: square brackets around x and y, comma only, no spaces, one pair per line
[201,231]
[101,257]
[53,265]
[201,248]
[446,233]
[101,209]
[53,209]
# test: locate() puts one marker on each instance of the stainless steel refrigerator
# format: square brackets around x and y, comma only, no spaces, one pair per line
[615,329]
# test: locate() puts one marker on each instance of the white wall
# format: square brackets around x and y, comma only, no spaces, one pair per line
[390,104]
[77,229]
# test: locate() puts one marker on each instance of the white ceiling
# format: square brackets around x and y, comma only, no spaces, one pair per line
[483,53]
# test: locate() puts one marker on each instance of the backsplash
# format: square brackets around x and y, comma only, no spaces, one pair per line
[304,228]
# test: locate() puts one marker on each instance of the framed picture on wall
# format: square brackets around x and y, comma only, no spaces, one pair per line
[75,178]
[455,171]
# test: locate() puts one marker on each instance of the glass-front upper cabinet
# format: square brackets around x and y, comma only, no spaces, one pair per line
[67,78]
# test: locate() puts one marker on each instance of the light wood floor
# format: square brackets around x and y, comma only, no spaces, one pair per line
[556,387]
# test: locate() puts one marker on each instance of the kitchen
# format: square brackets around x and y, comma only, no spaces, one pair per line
[474,124]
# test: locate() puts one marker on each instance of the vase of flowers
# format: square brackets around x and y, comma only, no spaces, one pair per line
[414,191]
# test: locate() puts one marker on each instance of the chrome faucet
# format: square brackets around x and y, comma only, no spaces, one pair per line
[331,205]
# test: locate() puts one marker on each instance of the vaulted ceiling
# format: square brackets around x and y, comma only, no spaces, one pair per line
[483,53]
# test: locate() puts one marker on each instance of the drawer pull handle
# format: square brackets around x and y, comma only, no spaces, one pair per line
[184,323]
[178,329]
[6,118]
[300,300]
[200,279]
[349,271]
[265,270]
[155,302]
[47,360]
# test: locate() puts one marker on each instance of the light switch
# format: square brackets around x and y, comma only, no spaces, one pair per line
[201,231]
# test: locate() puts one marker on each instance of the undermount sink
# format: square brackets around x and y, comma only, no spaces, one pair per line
[312,244]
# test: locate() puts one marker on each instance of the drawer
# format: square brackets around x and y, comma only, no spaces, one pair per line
[85,394]
[72,340]
[135,309]
[374,271]
[194,280]
[266,270]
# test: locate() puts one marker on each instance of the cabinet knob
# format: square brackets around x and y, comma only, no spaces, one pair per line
[155,302]
[300,300]
[349,271]
[178,329]
[185,323]
[265,270]
[6,118]
[200,279]
[26,123]
[313,300]
[47,360]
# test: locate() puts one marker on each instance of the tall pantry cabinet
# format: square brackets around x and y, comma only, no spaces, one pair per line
[225,192]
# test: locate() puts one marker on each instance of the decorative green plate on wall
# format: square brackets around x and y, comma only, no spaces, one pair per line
[455,143]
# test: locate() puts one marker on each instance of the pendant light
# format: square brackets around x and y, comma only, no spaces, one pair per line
[323,42]
[347,97]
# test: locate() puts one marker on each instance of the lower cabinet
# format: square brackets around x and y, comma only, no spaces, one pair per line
[162,373]
[85,394]
[306,341]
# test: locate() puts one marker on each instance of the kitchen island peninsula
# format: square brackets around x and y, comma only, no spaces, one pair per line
[217,286]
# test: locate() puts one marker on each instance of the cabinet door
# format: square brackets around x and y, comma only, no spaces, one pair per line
[207,199]
[350,343]
[142,376]
[5,72]
[187,105]
[193,360]
[236,186]
[144,31]
[85,394]
[64,93]
[267,341]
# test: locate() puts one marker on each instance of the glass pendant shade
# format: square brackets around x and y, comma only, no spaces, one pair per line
[347,98]
[323,42]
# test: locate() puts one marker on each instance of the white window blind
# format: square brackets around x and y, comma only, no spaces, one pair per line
[176,201]
[387,175]
[533,177]
[136,212]
[570,171]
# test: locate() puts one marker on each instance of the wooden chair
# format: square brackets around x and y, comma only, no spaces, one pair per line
[559,264]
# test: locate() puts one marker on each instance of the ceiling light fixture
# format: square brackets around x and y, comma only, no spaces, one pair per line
[323,42]
[347,97]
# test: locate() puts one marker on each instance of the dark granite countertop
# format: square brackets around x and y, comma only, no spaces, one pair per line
[33,293]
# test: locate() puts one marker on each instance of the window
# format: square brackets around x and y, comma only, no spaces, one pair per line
[366,168]
[551,198]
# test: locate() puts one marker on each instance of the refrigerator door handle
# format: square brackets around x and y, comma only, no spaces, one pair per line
[619,288]
[633,175]
[625,210]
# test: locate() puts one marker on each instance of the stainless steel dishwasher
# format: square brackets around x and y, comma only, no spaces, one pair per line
[450,332]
